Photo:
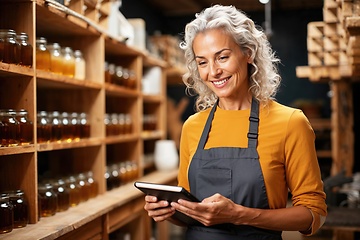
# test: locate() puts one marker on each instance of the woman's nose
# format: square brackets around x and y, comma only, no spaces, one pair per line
[215,70]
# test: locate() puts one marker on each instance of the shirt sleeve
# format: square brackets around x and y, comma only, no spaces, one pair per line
[303,171]
[184,158]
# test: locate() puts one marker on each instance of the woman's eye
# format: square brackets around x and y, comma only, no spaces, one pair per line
[202,63]
[223,58]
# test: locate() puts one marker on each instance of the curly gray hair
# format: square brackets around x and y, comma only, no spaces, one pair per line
[263,71]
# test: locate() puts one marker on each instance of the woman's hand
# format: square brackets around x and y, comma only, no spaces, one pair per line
[158,210]
[213,210]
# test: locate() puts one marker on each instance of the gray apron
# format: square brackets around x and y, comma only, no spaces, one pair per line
[234,173]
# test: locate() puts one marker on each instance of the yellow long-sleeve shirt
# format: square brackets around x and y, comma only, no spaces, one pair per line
[286,151]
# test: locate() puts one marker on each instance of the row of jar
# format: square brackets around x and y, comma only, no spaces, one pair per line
[58,126]
[58,195]
[149,122]
[14,210]
[15,128]
[120,76]
[60,60]
[118,174]
[118,124]
[15,48]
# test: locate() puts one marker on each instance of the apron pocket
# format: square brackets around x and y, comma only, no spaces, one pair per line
[213,180]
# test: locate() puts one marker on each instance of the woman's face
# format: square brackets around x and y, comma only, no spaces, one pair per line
[221,64]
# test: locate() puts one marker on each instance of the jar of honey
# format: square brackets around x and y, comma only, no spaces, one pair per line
[43,60]
[68,62]
[80,65]
[63,195]
[26,127]
[56,126]
[20,207]
[56,58]
[84,125]
[10,128]
[6,214]
[11,49]
[74,190]
[26,50]
[43,127]
[48,200]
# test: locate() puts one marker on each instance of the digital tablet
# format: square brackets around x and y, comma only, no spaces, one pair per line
[170,194]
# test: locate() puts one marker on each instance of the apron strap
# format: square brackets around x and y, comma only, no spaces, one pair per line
[254,124]
[253,127]
[206,130]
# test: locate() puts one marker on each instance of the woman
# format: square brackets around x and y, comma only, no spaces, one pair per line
[242,152]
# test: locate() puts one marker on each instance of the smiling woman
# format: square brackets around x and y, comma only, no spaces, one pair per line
[242,151]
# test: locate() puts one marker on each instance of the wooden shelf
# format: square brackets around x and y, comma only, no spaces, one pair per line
[17,150]
[12,70]
[43,147]
[125,198]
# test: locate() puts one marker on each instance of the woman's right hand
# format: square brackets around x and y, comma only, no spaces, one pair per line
[158,210]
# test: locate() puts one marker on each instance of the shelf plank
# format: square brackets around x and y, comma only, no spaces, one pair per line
[324,154]
[13,70]
[152,135]
[74,218]
[114,90]
[43,147]
[153,98]
[320,123]
[52,80]
[17,150]
[121,139]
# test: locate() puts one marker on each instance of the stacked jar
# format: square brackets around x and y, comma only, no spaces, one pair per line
[58,195]
[120,76]
[118,124]
[15,49]
[58,126]
[60,60]
[14,210]
[118,174]
[15,128]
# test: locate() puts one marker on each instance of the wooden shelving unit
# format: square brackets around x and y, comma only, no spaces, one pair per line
[36,90]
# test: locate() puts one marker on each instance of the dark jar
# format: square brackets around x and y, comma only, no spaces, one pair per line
[44,134]
[26,127]
[6,214]
[63,195]
[10,129]
[48,200]
[26,50]
[11,52]
[20,207]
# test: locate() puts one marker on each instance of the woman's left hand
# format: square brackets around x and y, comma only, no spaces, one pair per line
[213,210]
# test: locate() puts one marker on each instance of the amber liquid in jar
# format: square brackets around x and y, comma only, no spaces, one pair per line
[94,186]
[26,127]
[43,128]
[43,60]
[69,62]
[11,52]
[63,195]
[10,129]
[56,58]
[20,208]
[1,48]
[74,191]
[56,127]
[26,50]
[48,200]
[6,214]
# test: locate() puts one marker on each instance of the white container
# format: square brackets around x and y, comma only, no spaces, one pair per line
[165,155]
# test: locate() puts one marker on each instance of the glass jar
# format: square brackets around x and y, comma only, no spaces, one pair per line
[67,133]
[26,50]
[85,187]
[119,76]
[74,190]
[10,128]
[43,127]
[26,127]
[107,73]
[6,214]
[43,60]
[75,126]
[56,126]
[63,195]
[11,52]
[107,123]
[68,61]
[20,207]
[48,200]
[94,185]
[84,126]
[80,65]
[112,76]
[56,58]
[132,79]
[128,124]
[121,118]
